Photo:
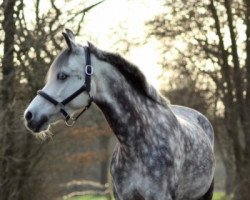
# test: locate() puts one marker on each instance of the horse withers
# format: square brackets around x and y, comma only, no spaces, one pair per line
[164,152]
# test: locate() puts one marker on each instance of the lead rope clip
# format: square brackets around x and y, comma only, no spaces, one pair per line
[70,122]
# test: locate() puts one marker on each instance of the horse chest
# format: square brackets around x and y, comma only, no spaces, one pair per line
[145,177]
[130,182]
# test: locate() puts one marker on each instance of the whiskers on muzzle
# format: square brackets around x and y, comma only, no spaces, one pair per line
[38,126]
[43,135]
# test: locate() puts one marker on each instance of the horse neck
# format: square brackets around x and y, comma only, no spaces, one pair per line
[128,111]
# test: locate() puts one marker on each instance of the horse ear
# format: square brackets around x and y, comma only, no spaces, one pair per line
[70,40]
[70,34]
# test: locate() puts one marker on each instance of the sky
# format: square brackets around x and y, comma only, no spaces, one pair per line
[108,17]
[125,18]
[101,23]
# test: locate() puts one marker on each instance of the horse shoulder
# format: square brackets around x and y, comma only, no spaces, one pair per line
[195,117]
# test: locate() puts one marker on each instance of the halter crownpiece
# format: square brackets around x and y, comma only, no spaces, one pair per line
[70,121]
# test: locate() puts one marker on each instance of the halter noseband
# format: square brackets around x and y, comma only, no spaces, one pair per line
[69,121]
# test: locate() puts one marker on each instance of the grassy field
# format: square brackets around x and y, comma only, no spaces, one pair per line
[88,197]
[217,196]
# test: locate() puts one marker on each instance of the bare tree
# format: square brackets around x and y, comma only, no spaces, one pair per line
[210,30]
[29,48]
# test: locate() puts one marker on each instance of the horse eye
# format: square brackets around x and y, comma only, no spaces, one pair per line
[62,76]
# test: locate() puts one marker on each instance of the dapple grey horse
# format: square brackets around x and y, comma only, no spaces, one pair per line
[164,151]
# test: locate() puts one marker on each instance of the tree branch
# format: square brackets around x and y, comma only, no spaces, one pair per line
[237,73]
[230,107]
[247,66]
[225,68]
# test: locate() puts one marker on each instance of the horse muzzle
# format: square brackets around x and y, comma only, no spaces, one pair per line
[35,124]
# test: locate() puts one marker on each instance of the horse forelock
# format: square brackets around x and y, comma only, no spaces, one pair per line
[130,71]
[61,60]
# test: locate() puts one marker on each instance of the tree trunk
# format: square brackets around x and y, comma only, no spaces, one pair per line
[242,186]
[242,191]
[104,144]
[224,144]
[247,66]
[8,169]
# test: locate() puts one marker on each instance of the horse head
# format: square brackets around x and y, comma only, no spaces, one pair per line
[68,88]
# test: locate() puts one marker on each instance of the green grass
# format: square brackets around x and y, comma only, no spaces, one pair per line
[88,197]
[220,196]
[217,196]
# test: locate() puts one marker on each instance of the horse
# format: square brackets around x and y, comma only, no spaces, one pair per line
[164,151]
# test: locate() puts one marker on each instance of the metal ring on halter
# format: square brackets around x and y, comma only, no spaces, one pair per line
[87,67]
[70,122]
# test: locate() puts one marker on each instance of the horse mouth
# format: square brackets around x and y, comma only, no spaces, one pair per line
[39,125]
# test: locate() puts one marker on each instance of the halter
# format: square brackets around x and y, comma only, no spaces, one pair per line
[70,121]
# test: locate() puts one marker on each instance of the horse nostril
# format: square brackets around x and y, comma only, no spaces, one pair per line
[28,116]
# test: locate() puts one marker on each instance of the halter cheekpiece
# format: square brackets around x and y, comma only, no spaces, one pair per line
[70,121]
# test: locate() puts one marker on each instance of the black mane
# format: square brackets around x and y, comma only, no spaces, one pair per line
[130,71]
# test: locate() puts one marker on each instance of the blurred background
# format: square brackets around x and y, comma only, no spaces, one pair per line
[197,53]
